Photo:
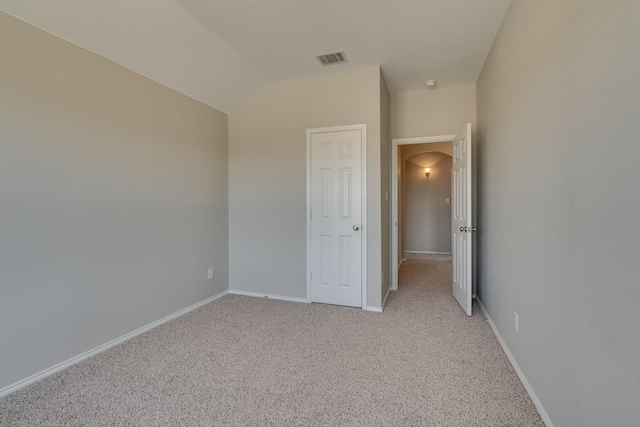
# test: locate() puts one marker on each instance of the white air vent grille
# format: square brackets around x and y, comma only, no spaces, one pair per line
[332,58]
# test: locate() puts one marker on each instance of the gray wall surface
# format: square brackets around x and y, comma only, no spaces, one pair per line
[432,112]
[113,201]
[427,222]
[559,149]
[267,177]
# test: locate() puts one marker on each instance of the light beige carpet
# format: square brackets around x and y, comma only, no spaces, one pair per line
[249,361]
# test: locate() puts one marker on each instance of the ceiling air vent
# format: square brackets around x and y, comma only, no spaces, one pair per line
[332,58]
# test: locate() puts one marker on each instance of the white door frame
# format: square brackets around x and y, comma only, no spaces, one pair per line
[395,144]
[363,227]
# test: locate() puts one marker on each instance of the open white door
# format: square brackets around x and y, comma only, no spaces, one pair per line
[462,228]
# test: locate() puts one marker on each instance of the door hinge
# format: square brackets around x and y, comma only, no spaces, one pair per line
[311,276]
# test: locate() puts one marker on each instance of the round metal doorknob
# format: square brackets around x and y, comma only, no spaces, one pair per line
[463,229]
[474,229]
[356,228]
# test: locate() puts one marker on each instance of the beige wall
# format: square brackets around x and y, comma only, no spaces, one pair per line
[113,201]
[558,103]
[267,177]
[432,112]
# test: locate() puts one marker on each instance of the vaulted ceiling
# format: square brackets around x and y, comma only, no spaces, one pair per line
[223,51]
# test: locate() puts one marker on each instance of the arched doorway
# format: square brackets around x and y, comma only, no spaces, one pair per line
[425,205]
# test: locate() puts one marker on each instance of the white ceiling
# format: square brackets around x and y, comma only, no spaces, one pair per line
[223,51]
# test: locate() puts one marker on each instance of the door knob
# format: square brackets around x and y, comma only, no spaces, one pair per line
[463,229]
[474,229]
[356,228]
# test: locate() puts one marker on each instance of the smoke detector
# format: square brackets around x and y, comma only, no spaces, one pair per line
[332,58]
[430,84]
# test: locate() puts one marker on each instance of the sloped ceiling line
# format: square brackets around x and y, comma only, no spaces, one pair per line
[221,52]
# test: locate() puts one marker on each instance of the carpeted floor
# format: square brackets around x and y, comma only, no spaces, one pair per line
[249,361]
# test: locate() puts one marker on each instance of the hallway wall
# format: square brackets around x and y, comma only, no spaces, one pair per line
[427,215]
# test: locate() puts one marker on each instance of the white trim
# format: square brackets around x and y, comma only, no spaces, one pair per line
[269,296]
[384,300]
[427,252]
[395,143]
[374,309]
[543,414]
[364,228]
[69,362]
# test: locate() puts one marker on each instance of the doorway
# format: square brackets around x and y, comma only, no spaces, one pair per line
[462,207]
[424,214]
[396,169]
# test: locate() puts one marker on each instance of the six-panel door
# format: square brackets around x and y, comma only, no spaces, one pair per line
[461,221]
[336,212]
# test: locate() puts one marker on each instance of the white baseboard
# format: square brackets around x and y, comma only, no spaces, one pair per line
[269,296]
[543,414]
[293,299]
[428,252]
[384,301]
[69,362]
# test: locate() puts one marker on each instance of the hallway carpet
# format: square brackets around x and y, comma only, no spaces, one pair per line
[259,362]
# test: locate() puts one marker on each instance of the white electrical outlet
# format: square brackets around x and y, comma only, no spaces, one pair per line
[210,274]
[515,321]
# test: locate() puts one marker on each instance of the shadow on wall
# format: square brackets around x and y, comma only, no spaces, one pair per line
[427,210]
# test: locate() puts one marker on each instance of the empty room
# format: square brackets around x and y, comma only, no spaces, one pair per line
[336,213]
